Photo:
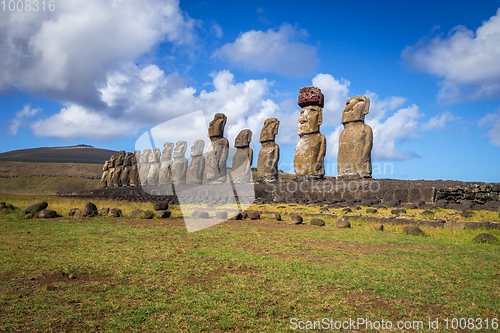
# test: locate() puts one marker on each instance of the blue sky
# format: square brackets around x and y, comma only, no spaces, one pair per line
[103,72]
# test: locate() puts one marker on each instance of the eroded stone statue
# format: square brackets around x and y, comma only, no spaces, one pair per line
[180,164]
[127,167]
[134,171]
[165,176]
[144,166]
[196,168]
[215,166]
[356,140]
[311,150]
[111,171]
[269,155]
[118,169]
[241,170]
[154,167]
[104,177]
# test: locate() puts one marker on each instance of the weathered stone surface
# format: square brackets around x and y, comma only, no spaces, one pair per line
[411,206]
[398,211]
[154,167]
[311,149]
[111,170]
[485,237]
[104,177]
[412,230]
[419,203]
[217,154]
[196,169]
[144,166]
[180,165]
[276,216]
[118,169]
[238,216]
[393,203]
[29,216]
[148,215]
[200,214]
[103,211]
[467,214]
[378,227]
[221,215]
[75,212]
[269,155]
[163,214]
[165,174]
[253,215]
[136,212]
[371,210]
[116,212]
[38,206]
[310,96]
[160,205]
[356,140]
[47,214]
[89,210]
[318,222]
[241,170]
[343,222]
[347,210]
[127,167]
[134,178]
[427,212]
[441,203]
[296,218]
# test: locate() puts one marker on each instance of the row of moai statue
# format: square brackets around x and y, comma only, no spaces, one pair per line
[157,167]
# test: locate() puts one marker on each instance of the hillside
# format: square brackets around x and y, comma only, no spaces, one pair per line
[75,154]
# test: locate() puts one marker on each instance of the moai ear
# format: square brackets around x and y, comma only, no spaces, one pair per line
[320,117]
[367,105]
[276,126]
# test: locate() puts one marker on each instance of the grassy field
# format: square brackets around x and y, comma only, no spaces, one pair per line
[239,276]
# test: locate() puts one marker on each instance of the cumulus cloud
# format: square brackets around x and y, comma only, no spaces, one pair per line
[466,61]
[271,51]
[439,122]
[21,118]
[492,121]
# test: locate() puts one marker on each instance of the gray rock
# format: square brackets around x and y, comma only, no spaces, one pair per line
[276,216]
[116,212]
[200,214]
[253,215]
[347,210]
[419,203]
[441,203]
[163,214]
[412,230]
[378,227]
[296,219]
[221,215]
[103,211]
[427,212]
[47,213]
[466,204]
[371,210]
[38,206]
[74,211]
[238,216]
[484,237]
[318,222]
[398,211]
[393,203]
[411,206]
[148,215]
[29,216]
[136,212]
[89,210]
[467,214]
[343,222]
[161,205]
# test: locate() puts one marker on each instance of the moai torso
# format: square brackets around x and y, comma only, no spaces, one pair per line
[111,171]
[196,168]
[180,164]
[154,167]
[311,150]
[127,167]
[144,166]
[164,178]
[356,141]
[134,171]
[118,169]
[215,165]
[269,155]
[104,177]
[241,170]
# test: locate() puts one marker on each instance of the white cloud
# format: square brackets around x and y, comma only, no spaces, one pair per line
[439,122]
[216,29]
[466,61]
[336,94]
[271,51]
[492,120]
[20,118]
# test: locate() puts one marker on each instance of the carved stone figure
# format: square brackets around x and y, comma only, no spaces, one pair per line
[180,164]
[154,167]
[356,140]
[269,155]
[241,171]
[196,168]
[215,166]
[144,166]
[111,171]
[118,169]
[165,176]
[311,150]
[104,177]
[134,171]
[127,167]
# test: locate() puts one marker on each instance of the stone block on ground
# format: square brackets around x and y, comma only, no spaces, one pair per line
[412,230]
[161,205]
[38,206]
[221,215]
[318,222]
[343,223]
[253,215]
[116,212]
[103,211]
[89,210]
[47,214]
[163,214]
[136,212]
[378,227]
[485,237]
[296,219]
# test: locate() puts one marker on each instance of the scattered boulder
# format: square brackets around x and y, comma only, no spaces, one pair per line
[116,212]
[103,211]
[347,210]
[318,222]
[148,215]
[411,206]
[276,216]
[427,212]
[466,204]
[36,206]
[378,227]
[441,203]
[136,212]
[2,205]
[4,210]
[163,214]
[371,210]
[221,215]
[419,203]
[47,214]
[74,211]
[412,230]
[161,205]
[393,203]
[398,211]
[467,213]
[253,215]
[238,217]
[343,223]
[29,216]
[89,210]
[324,209]
[485,237]
[244,214]
[200,214]
[296,219]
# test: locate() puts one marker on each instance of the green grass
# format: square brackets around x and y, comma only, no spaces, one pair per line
[153,276]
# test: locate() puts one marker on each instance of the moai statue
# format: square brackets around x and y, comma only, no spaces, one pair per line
[104,178]
[154,167]
[144,166]
[215,166]
[356,141]
[311,150]
[269,155]
[127,166]
[180,165]
[118,169]
[196,168]
[241,171]
[164,178]
[111,171]
[134,171]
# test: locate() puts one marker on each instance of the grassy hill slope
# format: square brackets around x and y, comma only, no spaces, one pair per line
[74,154]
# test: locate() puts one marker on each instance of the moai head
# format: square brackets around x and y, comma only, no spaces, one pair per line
[197,148]
[216,129]
[269,130]
[311,117]
[120,157]
[128,159]
[137,155]
[145,156]
[155,155]
[166,154]
[355,110]
[243,139]
[180,149]
[112,161]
